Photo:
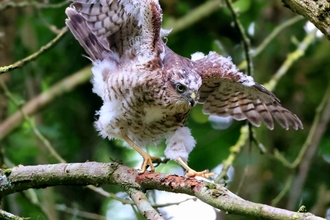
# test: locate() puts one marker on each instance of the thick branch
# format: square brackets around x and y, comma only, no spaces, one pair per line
[316,12]
[40,176]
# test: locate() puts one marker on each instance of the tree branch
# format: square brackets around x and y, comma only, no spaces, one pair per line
[24,177]
[35,130]
[310,147]
[77,213]
[143,204]
[20,63]
[8,216]
[244,38]
[291,58]
[316,12]
[234,150]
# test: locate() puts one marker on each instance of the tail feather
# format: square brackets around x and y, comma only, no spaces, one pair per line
[94,46]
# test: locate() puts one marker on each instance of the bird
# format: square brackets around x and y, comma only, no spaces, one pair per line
[148,90]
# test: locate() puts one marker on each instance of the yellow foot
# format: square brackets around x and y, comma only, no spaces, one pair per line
[193,173]
[147,159]
[148,162]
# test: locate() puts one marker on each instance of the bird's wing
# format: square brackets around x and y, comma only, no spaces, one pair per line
[227,92]
[127,27]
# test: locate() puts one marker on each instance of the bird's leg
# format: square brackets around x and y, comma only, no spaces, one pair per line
[147,159]
[191,172]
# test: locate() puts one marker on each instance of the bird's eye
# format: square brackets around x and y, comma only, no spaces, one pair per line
[180,88]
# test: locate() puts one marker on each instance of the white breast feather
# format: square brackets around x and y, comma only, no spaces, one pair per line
[197,56]
[108,112]
[100,70]
[154,113]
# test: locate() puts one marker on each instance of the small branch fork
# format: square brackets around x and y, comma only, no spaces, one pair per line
[40,176]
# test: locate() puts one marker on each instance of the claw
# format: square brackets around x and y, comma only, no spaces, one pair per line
[147,159]
[193,173]
[148,162]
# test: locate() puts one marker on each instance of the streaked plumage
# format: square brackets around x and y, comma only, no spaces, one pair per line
[148,90]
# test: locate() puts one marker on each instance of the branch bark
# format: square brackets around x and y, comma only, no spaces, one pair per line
[316,12]
[40,176]
[143,204]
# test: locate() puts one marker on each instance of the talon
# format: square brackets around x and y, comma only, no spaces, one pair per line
[193,173]
[148,162]
[147,159]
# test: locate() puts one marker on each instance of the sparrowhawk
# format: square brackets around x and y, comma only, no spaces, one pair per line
[148,90]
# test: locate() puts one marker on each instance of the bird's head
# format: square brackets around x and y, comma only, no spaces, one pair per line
[185,87]
[184,81]
[184,93]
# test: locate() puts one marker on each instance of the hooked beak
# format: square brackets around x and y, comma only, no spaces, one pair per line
[192,99]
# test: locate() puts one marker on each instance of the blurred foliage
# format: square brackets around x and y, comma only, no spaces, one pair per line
[67,122]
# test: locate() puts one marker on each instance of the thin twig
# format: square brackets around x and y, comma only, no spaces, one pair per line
[35,55]
[8,216]
[291,58]
[60,88]
[269,38]
[245,39]
[104,193]
[173,203]
[274,33]
[246,130]
[79,213]
[315,130]
[31,122]
[285,189]
[234,150]
[310,147]
[51,27]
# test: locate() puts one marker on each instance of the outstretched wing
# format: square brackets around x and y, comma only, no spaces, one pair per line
[128,27]
[227,92]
